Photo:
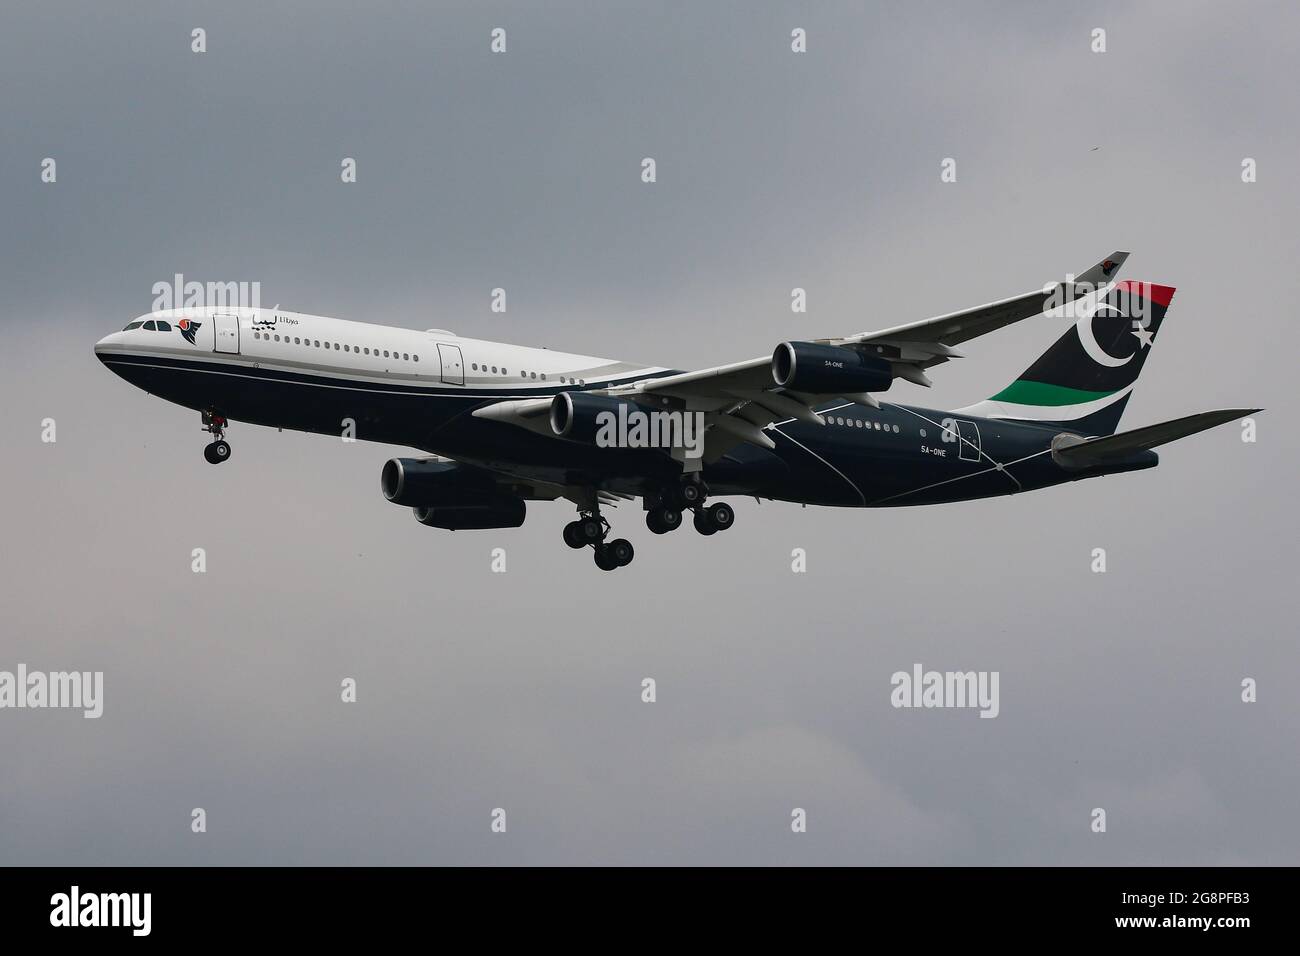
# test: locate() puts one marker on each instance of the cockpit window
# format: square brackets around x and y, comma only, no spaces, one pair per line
[150,326]
[132,325]
[164,326]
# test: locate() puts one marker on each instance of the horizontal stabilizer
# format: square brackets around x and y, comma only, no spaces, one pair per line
[1069,451]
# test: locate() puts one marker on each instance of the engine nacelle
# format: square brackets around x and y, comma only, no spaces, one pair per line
[412,482]
[828,369]
[445,495]
[574,416]
[492,511]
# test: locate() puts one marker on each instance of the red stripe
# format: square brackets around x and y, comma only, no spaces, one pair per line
[1159,294]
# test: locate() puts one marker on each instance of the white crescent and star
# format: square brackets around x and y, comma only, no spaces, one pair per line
[1088,339]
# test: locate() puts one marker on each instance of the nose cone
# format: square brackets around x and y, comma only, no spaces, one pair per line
[109,344]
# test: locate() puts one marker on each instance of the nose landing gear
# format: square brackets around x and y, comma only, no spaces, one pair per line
[219,449]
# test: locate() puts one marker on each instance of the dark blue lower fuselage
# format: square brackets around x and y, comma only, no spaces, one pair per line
[863,457]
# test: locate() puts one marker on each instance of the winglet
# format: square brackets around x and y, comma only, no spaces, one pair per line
[1104,272]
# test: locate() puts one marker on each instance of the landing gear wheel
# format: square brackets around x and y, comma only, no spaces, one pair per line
[622,551]
[605,559]
[591,530]
[721,516]
[573,535]
[663,520]
[691,492]
[217,452]
[702,523]
[215,425]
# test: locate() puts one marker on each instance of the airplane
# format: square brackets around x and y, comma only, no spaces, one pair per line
[504,424]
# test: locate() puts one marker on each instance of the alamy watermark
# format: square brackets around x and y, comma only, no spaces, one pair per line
[77,690]
[1076,300]
[129,910]
[636,428]
[956,689]
[180,294]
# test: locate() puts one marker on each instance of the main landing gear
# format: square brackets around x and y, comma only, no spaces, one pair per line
[666,514]
[219,449]
[592,529]
[716,517]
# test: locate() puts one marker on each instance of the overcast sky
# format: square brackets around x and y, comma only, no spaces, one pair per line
[522,690]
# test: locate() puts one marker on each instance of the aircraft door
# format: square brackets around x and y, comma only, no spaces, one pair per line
[453,366]
[970,441]
[226,329]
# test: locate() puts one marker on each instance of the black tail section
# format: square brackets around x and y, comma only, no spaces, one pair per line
[1084,380]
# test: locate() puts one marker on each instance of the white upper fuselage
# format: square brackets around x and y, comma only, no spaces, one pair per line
[276,338]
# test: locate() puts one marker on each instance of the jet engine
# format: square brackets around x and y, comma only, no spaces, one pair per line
[828,369]
[500,511]
[576,416]
[445,495]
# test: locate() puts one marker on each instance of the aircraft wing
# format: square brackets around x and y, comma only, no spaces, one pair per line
[742,398]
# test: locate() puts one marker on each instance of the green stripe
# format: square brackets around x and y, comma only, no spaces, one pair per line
[1025,392]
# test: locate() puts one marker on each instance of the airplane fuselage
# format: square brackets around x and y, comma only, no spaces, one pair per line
[419,389]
